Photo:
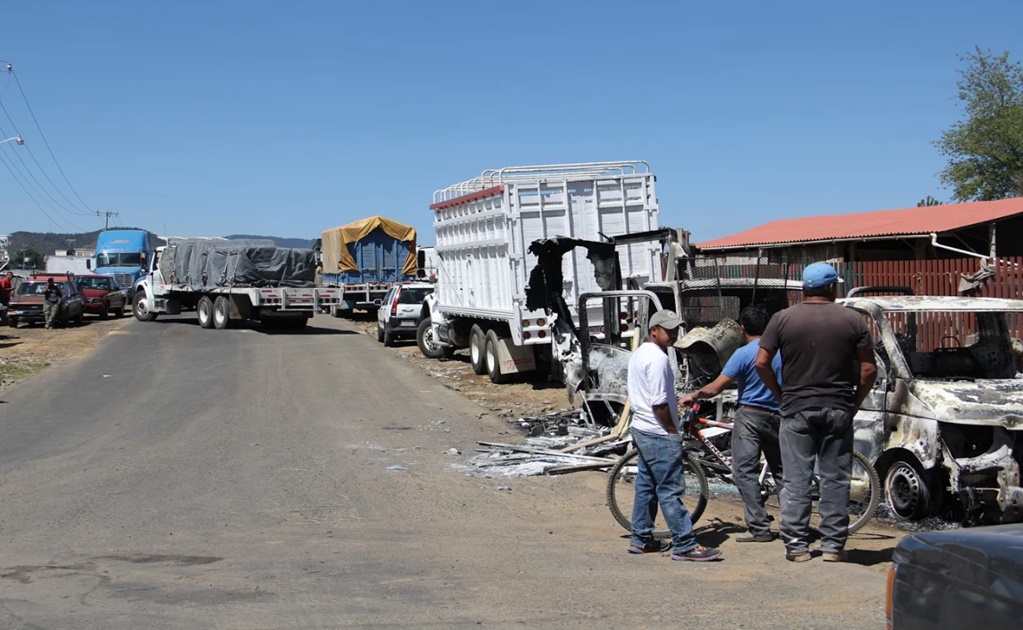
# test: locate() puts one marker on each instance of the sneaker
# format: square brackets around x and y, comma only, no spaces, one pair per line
[797,556]
[698,554]
[835,556]
[654,546]
[755,538]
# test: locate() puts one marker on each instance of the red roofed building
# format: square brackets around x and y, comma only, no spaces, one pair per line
[984,228]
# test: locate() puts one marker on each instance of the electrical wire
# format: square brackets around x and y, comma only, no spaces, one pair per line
[17,81]
[28,148]
[39,185]
[54,220]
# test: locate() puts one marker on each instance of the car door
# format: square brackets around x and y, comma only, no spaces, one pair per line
[385,308]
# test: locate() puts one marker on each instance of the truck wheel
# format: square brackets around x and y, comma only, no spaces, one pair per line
[427,345]
[221,313]
[139,308]
[478,349]
[493,365]
[908,489]
[204,311]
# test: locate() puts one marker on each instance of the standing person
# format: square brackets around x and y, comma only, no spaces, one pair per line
[51,302]
[821,343]
[656,435]
[755,430]
[6,286]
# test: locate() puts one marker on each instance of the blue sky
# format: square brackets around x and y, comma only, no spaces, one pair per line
[285,118]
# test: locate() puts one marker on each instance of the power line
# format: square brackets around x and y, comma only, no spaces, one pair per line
[39,185]
[28,148]
[17,81]
[31,197]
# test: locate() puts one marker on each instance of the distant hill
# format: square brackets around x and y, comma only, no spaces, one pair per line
[306,243]
[47,243]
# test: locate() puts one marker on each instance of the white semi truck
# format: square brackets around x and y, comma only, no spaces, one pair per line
[484,228]
[230,280]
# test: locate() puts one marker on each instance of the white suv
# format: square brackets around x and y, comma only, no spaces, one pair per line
[398,316]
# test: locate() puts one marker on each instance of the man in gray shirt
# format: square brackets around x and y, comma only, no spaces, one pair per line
[822,343]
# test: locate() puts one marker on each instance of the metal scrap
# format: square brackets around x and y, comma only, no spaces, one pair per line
[556,443]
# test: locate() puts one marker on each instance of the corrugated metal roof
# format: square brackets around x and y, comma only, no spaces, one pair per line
[858,225]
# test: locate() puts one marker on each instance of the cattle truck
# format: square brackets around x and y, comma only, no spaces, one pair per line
[225,281]
[484,229]
[364,259]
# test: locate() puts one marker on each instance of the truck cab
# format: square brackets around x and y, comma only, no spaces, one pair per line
[123,254]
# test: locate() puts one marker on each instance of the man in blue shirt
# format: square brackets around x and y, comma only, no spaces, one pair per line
[757,420]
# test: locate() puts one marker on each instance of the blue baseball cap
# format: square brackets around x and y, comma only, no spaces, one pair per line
[819,275]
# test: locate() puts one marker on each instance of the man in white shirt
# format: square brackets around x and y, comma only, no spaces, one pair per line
[656,434]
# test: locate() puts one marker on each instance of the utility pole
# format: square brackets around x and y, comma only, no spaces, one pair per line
[107,214]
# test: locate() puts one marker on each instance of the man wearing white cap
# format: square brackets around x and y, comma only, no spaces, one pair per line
[821,343]
[656,433]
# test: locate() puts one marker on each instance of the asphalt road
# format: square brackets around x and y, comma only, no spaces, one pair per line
[188,478]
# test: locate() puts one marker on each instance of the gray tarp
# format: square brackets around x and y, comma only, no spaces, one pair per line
[207,264]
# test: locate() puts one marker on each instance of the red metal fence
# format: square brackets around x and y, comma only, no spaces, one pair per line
[924,277]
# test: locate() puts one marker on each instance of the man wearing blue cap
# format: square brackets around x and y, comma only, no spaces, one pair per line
[821,343]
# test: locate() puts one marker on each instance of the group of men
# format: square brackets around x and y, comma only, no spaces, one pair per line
[798,390]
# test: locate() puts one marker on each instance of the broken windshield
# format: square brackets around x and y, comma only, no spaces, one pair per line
[954,344]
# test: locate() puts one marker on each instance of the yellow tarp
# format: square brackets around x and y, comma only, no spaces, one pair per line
[335,241]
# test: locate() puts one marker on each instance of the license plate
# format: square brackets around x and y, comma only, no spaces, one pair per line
[407,324]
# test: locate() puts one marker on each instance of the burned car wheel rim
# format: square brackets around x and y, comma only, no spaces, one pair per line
[908,495]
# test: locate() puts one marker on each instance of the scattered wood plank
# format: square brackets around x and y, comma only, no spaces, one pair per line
[544,451]
[560,470]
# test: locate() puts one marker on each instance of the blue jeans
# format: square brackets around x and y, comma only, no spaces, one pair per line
[821,439]
[659,479]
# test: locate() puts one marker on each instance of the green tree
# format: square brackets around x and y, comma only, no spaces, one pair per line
[985,151]
[34,258]
[927,202]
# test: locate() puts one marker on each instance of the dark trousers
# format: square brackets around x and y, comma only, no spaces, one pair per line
[821,439]
[755,432]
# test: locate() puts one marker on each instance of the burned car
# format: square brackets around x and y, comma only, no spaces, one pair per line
[944,421]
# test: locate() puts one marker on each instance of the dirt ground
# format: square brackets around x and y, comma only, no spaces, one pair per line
[26,350]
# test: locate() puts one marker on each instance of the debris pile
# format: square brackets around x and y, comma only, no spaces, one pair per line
[556,443]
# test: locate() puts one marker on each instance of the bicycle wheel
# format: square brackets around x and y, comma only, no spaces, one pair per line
[621,490]
[864,494]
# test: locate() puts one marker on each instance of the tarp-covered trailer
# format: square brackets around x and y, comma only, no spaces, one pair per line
[365,258]
[230,280]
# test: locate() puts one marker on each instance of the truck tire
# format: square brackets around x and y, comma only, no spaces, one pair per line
[430,349]
[478,349]
[138,307]
[221,313]
[493,365]
[204,312]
